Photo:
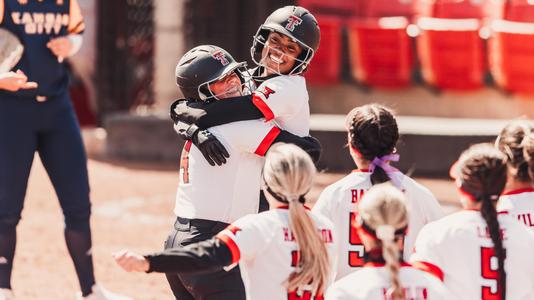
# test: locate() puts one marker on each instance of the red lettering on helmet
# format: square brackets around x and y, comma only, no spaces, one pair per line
[219,55]
[292,22]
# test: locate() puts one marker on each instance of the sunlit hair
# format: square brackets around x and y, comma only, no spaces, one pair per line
[510,142]
[528,153]
[384,211]
[289,173]
[373,133]
[482,174]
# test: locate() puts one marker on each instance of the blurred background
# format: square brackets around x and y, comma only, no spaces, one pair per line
[454,71]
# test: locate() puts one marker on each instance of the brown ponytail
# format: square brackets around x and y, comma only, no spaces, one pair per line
[373,133]
[510,142]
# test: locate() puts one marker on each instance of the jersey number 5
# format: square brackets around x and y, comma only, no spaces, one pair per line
[184,161]
[355,256]
[487,272]
[304,295]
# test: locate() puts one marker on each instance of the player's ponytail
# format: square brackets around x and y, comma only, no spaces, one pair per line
[482,175]
[510,142]
[383,215]
[288,174]
[373,134]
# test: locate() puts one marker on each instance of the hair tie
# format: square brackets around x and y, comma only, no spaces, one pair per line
[385,232]
[382,162]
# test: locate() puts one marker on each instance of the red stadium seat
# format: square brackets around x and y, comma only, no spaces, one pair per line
[451,53]
[388,8]
[325,66]
[510,55]
[453,9]
[380,51]
[334,7]
[518,10]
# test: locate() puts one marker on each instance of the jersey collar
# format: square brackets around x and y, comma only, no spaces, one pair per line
[518,191]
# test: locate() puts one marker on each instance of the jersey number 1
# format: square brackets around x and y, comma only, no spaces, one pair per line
[304,295]
[487,272]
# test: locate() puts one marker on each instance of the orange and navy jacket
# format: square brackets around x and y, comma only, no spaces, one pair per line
[35,23]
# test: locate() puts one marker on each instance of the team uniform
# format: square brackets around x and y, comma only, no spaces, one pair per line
[267,252]
[43,120]
[519,204]
[202,212]
[338,203]
[373,281]
[458,249]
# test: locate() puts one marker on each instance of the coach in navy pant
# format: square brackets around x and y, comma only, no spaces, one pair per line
[37,115]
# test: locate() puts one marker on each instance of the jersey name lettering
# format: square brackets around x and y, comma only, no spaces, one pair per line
[484,233]
[325,234]
[526,218]
[38,23]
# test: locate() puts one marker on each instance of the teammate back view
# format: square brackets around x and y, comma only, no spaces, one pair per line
[479,253]
[381,225]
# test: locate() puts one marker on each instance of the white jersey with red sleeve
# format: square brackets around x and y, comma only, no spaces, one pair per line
[459,249]
[338,203]
[373,281]
[284,99]
[267,253]
[519,204]
[227,192]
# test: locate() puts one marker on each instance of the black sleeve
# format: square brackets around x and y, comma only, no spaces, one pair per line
[205,256]
[309,144]
[218,112]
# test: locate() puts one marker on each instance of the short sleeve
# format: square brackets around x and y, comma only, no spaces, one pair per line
[426,256]
[281,96]
[245,238]
[253,136]
[433,210]
[76,23]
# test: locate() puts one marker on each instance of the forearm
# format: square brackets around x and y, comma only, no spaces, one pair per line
[205,256]
[309,144]
[217,113]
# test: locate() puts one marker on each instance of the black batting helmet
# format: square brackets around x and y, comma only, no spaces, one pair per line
[203,65]
[295,22]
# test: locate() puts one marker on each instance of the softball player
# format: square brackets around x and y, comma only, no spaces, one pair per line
[284,253]
[479,253]
[381,225]
[372,135]
[518,197]
[209,73]
[282,47]
[36,114]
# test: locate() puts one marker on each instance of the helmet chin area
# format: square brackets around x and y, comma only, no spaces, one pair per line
[206,92]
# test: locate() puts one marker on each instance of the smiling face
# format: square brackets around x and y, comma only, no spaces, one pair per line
[226,87]
[279,54]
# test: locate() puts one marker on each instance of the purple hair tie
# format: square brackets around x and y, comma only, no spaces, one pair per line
[382,162]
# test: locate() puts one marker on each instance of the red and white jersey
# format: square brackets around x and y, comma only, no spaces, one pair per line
[458,248]
[519,204]
[284,99]
[227,192]
[338,203]
[267,253]
[373,281]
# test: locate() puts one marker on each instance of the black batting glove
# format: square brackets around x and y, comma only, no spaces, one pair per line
[212,149]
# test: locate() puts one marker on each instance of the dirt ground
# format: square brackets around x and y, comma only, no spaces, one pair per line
[132,208]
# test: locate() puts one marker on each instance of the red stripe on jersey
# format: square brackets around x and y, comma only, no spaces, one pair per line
[286,206]
[263,107]
[232,246]
[267,141]
[378,264]
[518,191]
[429,268]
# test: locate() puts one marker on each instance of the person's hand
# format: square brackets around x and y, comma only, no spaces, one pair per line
[131,261]
[14,81]
[60,46]
[212,149]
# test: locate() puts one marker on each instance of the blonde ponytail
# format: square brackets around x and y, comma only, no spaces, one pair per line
[289,173]
[383,210]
